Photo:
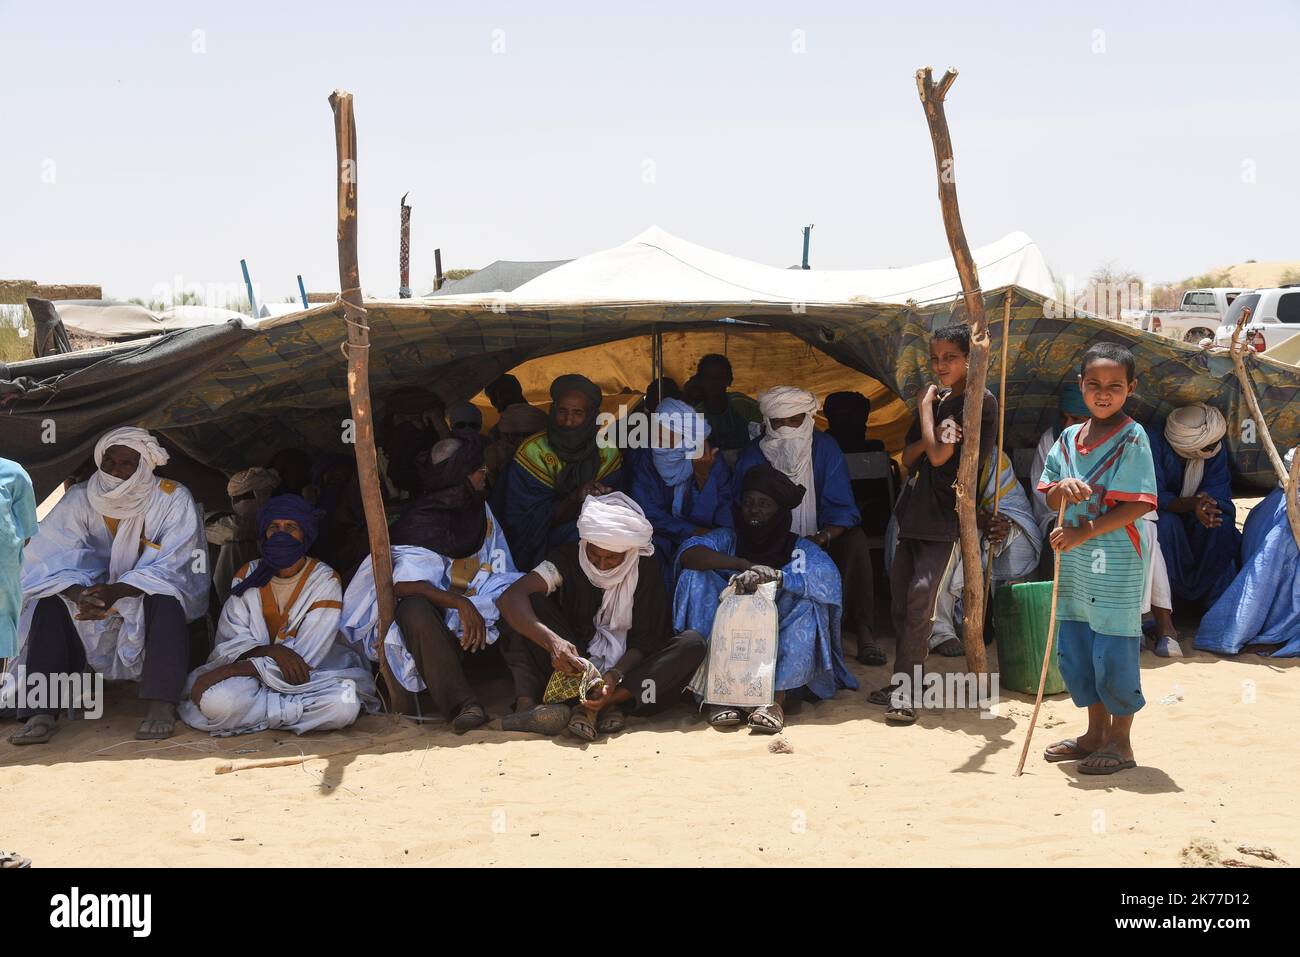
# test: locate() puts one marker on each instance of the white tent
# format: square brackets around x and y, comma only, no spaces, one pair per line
[657,266]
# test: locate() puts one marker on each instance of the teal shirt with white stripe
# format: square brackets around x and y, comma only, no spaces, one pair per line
[1102,580]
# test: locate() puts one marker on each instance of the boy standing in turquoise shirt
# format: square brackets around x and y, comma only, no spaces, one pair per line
[1104,472]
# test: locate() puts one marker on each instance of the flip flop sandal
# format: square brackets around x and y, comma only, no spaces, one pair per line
[543,719]
[1122,764]
[612,720]
[581,726]
[952,648]
[882,696]
[142,735]
[759,720]
[1075,753]
[470,717]
[726,717]
[38,729]
[901,715]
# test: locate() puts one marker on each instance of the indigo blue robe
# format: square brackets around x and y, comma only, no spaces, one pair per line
[809,654]
[835,502]
[524,500]
[1201,561]
[1262,605]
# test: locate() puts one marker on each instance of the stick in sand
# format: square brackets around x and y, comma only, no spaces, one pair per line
[1047,655]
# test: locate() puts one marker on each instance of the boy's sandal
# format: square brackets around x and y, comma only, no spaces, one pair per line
[1073,752]
[725,716]
[38,729]
[1118,763]
[581,726]
[901,715]
[769,719]
[952,648]
[611,720]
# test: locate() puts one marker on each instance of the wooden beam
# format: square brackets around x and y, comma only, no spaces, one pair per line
[358,355]
[1287,477]
[967,483]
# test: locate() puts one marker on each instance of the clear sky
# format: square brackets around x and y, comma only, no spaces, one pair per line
[149,141]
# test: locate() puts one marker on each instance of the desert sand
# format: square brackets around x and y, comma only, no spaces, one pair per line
[1215,774]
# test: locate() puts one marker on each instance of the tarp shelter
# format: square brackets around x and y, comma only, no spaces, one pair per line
[107,319]
[231,395]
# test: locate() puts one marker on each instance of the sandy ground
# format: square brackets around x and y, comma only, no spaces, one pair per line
[673,791]
[1215,775]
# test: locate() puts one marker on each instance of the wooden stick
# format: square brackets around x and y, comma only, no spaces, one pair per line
[1047,655]
[932,95]
[1292,506]
[1002,418]
[1237,351]
[358,354]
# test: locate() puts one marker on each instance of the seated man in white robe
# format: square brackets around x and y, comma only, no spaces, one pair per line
[280,661]
[110,584]
[450,563]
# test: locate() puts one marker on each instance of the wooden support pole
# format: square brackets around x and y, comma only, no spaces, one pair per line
[357,350]
[404,252]
[1002,421]
[932,95]
[1237,349]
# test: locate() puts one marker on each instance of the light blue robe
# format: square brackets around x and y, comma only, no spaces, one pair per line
[809,654]
[1262,604]
[17,524]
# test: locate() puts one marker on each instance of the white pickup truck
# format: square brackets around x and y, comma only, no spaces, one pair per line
[1197,317]
[1274,317]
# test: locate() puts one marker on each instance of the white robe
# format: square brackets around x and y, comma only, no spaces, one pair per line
[73,548]
[340,684]
[496,573]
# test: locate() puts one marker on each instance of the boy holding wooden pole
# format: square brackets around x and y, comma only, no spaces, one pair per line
[1103,471]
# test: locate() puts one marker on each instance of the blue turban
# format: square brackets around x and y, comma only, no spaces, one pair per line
[281,550]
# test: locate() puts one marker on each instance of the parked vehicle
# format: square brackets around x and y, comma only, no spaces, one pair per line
[1197,317]
[1274,317]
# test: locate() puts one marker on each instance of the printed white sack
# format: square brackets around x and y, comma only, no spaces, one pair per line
[740,668]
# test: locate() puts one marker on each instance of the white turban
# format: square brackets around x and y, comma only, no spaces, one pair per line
[253,480]
[125,499]
[615,523]
[1188,431]
[789,450]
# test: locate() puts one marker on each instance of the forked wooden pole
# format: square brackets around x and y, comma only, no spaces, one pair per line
[1237,349]
[932,94]
[358,356]
[1047,654]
